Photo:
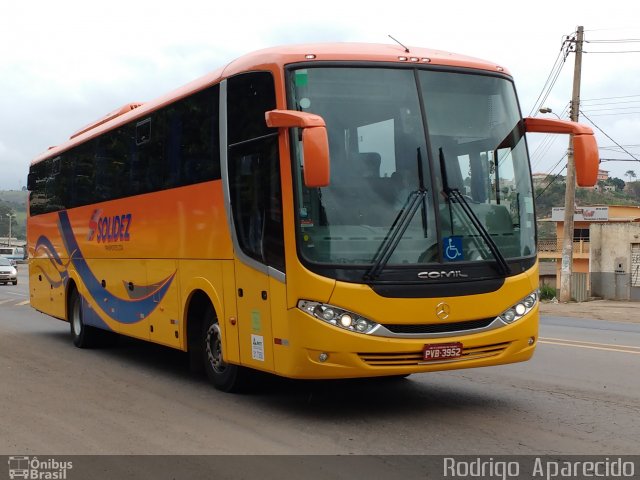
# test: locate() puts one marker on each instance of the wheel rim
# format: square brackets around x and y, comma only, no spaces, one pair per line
[214,349]
[76,318]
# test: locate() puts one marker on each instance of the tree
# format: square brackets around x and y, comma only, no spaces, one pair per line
[616,182]
[630,174]
[633,189]
[549,197]
[5,211]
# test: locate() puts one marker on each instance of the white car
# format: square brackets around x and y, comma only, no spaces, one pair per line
[8,272]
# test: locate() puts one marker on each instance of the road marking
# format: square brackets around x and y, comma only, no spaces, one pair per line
[12,300]
[591,345]
[16,294]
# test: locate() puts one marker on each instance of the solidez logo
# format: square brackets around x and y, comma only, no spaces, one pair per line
[110,228]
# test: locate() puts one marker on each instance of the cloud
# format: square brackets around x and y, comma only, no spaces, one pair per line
[69,64]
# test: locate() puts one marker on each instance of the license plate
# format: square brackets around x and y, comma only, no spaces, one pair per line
[442,351]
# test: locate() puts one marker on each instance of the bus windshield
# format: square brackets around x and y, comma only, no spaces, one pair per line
[404,139]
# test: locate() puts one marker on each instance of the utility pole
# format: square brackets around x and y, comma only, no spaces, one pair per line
[566,268]
[10,215]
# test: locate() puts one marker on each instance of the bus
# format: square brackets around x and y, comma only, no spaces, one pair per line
[314,211]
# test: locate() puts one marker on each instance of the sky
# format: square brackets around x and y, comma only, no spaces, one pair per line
[66,63]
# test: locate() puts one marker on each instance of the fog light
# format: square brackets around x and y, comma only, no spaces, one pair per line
[362,325]
[328,314]
[323,357]
[532,340]
[345,320]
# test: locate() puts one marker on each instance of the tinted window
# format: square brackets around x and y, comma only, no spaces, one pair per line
[254,169]
[257,200]
[175,146]
[249,96]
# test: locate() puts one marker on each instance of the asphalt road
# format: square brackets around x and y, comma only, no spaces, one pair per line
[579,395]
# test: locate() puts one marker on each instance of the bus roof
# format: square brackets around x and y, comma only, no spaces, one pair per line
[279,56]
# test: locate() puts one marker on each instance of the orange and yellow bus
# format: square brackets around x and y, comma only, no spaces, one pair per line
[315,211]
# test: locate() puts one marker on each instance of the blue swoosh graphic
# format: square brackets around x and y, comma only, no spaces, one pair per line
[45,244]
[121,310]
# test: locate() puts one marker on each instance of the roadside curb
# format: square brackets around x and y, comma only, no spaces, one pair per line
[614,310]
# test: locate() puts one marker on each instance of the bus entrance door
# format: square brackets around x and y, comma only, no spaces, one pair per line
[254,317]
[164,322]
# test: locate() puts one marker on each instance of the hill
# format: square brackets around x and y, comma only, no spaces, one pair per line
[552,195]
[13,202]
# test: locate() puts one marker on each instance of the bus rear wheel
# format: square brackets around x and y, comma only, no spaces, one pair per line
[224,376]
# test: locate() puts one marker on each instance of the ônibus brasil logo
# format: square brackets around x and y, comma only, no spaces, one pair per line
[109,228]
[32,468]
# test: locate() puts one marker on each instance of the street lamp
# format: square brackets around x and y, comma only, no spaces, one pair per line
[11,216]
[548,110]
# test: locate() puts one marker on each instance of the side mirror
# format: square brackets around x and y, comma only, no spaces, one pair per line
[315,143]
[585,148]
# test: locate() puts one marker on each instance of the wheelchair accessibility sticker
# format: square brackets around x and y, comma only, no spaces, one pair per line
[452,247]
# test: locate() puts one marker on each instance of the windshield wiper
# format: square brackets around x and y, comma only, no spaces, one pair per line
[454,195]
[391,241]
[400,225]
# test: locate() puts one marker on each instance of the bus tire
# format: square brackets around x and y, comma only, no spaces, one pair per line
[83,335]
[224,376]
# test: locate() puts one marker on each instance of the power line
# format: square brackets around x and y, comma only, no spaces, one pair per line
[558,163]
[615,40]
[625,160]
[621,113]
[552,181]
[606,135]
[545,145]
[552,77]
[608,98]
[613,51]
[612,147]
[604,104]
[615,108]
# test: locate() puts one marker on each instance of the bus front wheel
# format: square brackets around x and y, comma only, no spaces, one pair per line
[224,376]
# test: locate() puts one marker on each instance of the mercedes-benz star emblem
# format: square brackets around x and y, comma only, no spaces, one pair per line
[443,310]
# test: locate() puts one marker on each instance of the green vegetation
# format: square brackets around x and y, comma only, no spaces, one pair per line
[619,193]
[13,202]
[547,292]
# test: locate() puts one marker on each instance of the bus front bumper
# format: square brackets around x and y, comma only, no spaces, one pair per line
[316,350]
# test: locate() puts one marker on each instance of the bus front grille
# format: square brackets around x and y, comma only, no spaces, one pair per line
[414,329]
[407,359]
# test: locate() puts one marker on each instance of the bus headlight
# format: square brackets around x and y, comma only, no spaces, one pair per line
[337,316]
[520,309]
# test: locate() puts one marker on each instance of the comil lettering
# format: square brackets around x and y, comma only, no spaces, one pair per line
[442,274]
